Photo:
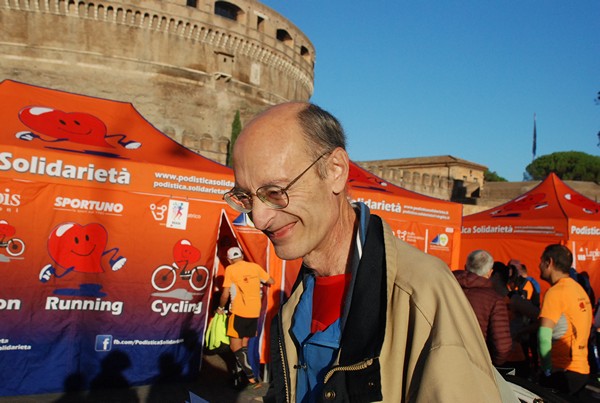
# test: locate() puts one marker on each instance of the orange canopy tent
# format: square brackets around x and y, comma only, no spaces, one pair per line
[549,213]
[108,238]
[429,224]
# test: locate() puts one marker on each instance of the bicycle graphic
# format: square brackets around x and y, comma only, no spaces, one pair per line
[14,246]
[164,276]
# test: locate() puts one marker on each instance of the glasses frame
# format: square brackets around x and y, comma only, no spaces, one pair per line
[228,197]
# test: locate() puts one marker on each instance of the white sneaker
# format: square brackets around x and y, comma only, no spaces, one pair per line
[119,264]
[27,136]
[46,273]
[133,145]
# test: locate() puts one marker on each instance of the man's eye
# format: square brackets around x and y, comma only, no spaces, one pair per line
[275,194]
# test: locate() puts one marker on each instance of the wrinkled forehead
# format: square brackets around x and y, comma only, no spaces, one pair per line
[275,137]
[269,150]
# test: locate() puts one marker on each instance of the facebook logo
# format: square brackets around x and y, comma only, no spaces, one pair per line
[103,342]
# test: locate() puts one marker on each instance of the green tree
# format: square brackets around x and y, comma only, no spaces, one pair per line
[492,176]
[567,165]
[236,128]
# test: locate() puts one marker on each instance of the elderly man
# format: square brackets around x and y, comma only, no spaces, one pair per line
[565,324]
[489,306]
[370,318]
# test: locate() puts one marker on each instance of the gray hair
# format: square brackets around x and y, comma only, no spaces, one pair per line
[479,262]
[322,132]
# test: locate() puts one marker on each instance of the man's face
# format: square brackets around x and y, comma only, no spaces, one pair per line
[272,151]
[544,267]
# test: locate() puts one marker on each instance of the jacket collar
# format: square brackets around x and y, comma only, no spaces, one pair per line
[364,329]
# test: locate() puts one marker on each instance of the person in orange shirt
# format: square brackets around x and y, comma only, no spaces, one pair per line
[246,277]
[565,323]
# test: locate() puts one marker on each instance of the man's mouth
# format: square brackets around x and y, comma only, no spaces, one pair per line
[280,233]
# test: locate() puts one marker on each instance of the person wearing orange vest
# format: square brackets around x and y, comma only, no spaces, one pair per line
[565,323]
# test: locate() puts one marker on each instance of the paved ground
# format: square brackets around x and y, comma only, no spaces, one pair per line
[213,385]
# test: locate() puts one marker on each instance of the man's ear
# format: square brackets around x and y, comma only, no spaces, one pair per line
[338,169]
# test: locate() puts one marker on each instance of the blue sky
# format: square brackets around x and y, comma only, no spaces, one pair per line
[462,78]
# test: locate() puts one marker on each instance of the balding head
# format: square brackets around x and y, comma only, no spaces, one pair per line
[308,127]
[298,149]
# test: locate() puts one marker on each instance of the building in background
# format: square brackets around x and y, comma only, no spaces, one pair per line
[450,178]
[186,65]
[445,177]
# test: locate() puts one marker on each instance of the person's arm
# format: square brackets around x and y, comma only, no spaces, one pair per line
[265,277]
[545,344]
[223,300]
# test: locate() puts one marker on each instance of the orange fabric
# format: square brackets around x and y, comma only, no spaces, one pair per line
[568,298]
[231,332]
[246,277]
[429,224]
[100,159]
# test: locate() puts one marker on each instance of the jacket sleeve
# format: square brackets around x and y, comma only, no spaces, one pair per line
[499,333]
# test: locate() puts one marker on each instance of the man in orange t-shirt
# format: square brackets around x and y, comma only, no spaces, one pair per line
[246,277]
[565,323]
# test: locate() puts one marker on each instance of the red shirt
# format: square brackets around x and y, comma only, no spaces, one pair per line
[328,300]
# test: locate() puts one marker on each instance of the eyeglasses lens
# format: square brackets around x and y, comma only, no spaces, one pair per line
[273,196]
[239,201]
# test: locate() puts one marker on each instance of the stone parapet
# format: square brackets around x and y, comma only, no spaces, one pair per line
[186,66]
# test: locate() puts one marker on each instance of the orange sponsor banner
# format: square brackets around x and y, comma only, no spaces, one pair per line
[108,241]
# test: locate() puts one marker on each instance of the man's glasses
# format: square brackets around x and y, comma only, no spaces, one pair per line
[273,196]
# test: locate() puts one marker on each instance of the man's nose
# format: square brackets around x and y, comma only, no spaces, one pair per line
[261,214]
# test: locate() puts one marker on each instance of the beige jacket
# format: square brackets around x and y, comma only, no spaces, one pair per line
[433,349]
[432,333]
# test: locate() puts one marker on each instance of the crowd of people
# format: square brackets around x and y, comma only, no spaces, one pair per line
[550,340]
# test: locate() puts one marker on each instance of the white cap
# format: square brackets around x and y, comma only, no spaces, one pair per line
[234,252]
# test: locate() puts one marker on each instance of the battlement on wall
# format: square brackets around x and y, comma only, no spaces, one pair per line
[266,45]
[188,65]
[443,177]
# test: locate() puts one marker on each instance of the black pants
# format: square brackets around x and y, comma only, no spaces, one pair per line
[568,382]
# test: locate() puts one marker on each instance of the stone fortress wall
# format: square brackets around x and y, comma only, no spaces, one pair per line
[186,65]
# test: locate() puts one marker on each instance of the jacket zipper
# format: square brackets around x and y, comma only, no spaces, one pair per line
[353,367]
[285,376]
